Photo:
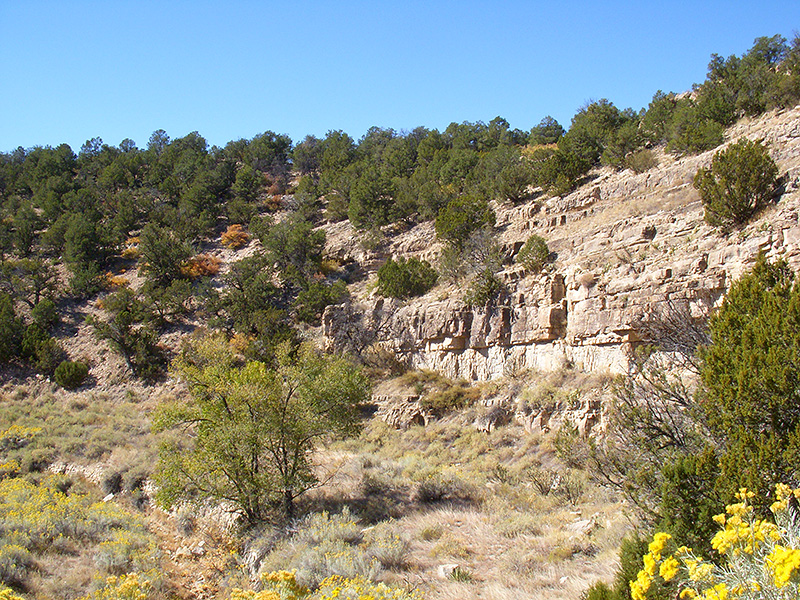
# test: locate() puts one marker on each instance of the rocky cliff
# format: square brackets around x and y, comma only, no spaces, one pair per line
[624,246]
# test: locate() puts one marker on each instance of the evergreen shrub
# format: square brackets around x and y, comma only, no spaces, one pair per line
[533,254]
[403,278]
[71,374]
[483,288]
[741,181]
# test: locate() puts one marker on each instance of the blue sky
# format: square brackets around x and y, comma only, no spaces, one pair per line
[72,70]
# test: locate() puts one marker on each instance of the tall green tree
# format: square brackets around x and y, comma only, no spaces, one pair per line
[751,379]
[163,254]
[255,429]
[295,248]
[125,331]
[11,329]
[29,279]
[306,155]
[590,129]
[548,131]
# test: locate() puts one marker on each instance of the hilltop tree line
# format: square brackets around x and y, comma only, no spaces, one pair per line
[68,221]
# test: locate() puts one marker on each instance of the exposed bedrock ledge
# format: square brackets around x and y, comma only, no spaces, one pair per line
[544,322]
[625,249]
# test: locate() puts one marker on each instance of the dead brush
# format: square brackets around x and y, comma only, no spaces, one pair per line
[202,265]
[235,237]
[115,282]
[273,202]
[131,250]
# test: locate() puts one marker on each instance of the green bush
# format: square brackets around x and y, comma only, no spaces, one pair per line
[312,301]
[599,591]
[450,396]
[690,131]
[38,347]
[741,181]
[557,172]
[749,380]
[630,553]
[533,254]
[456,221]
[48,356]
[483,288]
[688,499]
[403,278]
[45,313]
[71,374]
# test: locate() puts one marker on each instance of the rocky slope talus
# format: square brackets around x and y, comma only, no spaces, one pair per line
[626,246]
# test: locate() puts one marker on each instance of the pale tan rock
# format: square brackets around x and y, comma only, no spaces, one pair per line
[625,246]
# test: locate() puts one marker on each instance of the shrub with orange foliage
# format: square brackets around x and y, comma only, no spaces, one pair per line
[235,237]
[131,250]
[112,281]
[202,265]
[274,202]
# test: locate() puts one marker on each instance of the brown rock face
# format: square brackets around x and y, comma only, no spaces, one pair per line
[626,247]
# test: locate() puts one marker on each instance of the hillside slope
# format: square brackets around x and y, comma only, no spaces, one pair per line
[626,246]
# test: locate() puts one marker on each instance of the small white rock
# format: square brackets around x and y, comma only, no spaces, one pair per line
[446,571]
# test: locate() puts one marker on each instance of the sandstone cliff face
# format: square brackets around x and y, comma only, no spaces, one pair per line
[625,247]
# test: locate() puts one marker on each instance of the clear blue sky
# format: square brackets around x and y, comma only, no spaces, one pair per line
[73,69]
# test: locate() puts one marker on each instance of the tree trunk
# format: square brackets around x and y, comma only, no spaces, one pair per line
[288,505]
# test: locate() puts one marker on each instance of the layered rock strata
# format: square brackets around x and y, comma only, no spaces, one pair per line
[626,248]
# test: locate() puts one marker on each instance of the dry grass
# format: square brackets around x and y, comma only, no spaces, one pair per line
[480,509]
[509,539]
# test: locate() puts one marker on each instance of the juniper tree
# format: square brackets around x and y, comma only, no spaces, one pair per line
[751,379]
[741,181]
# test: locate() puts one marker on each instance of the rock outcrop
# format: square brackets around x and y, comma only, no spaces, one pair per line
[626,248]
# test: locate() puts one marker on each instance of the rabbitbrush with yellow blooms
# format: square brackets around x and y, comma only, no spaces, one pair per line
[760,559]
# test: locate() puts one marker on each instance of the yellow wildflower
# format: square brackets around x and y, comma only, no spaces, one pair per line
[782,491]
[657,545]
[718,592]
[640,586]
[699,571]
[783,562]
[8,594]
[669,568]
[649,564]
[779,506]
